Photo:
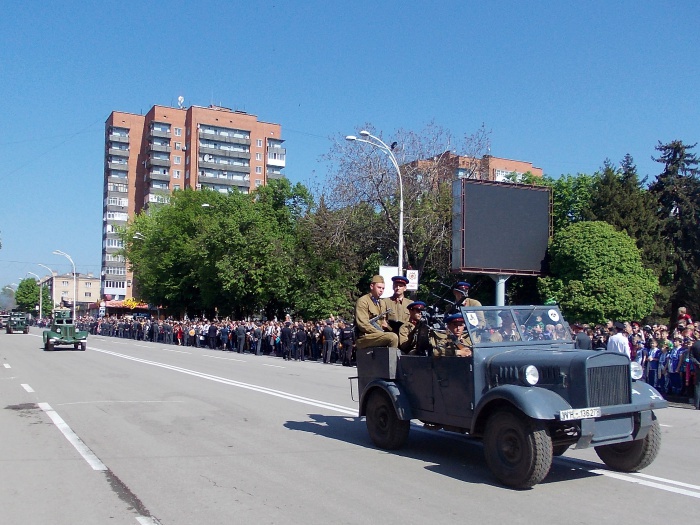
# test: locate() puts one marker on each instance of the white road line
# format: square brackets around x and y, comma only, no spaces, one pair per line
[176,351]
[225,358]
[73,439]
[274,366]
[669,481]
[27,387]
[6,365]
[625,477]
[231,382]
[666,426]
[147,520]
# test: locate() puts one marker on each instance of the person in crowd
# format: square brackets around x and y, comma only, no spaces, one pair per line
[370,312]
[347,342]
[286,341]
[652,363]
[328,338]
[581,339]
[619,342]
[301,339]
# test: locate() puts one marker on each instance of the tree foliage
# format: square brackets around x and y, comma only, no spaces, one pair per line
[677,191]
[27,295]
[597,274]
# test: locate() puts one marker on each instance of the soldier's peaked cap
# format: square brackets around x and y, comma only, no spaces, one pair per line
[462,284]
[454,318]
[416,304]
[400,279]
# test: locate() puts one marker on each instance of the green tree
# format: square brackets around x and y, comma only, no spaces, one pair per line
[621,199]
[571,196]
[597,274]
[677,190]
[27,295]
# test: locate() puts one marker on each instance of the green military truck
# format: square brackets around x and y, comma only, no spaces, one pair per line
[17,323]
[63,332]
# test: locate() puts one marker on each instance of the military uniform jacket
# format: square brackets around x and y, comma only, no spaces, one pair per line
[448,347]
[399,312]
[365,309]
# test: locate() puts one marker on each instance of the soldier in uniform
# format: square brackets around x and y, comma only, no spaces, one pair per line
[373,333]
[457,343]
[407,330]
[397,302]
[461,293]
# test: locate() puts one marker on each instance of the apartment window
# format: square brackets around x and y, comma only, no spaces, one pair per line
[258,143]
[88,294]
[258,169]
[177,159]
[178,145]
[258,156]
[64,283]
[258,183]
[64,294]
[176,187]
[178,132]
[176,174]
[88,285]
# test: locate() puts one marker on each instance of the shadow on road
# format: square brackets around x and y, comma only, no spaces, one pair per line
[447,454]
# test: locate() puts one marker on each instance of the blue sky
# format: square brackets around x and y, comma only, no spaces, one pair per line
[563,85]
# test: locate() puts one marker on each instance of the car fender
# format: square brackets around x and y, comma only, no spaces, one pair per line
[398,397]
[537,403]
[645,396]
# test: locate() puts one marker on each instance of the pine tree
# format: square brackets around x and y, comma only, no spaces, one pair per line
[677,190]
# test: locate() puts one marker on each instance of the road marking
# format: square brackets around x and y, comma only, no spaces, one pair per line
[6,365]
[225,358]
[231,382]
[147,520]
[176,351]
[73,439]
[638,478]
[27,388]
[274,366]
[666,426]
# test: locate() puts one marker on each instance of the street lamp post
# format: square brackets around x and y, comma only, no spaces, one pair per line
[379,144]
[75,288]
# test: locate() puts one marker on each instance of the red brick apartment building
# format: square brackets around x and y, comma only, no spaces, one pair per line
[147,157]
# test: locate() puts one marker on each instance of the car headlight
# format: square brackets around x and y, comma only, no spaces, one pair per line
[636,370]
[531,375]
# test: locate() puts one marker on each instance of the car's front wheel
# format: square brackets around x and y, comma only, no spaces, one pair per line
[518,449]
[48,346]
[632,456]
[385,428]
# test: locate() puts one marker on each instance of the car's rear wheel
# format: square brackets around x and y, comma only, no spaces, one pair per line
[83,346]
[518,449]
[385,428]
[632,456]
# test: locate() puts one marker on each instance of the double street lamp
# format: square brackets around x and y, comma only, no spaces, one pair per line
[75,288]
[379,144]
[39,281]
[52,285]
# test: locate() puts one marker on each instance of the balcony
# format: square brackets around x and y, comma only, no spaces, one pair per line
[119,152]
[165,134]
[159,147]
[154,175]
[237,181]
[121,166]
[158,162]
[223,138]
[225,167]
[274,176]
[204,149]
[114,137]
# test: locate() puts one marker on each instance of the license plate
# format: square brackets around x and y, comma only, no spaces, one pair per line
[579,413]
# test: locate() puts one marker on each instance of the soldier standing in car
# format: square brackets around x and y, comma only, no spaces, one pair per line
[457,343]
[397,302]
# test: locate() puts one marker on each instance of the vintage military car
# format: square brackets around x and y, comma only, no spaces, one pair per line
[526,392]
[63,332]
[3,320]
[17,323]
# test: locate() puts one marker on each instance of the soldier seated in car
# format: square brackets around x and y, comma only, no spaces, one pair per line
[457,343]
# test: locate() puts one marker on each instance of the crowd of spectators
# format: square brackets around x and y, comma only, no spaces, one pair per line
[292,340]
[666,353]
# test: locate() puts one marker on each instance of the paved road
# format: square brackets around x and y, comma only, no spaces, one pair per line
[140,433]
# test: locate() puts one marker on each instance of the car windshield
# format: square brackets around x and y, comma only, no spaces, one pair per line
[515,324]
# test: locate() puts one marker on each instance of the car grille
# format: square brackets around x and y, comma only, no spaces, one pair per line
[609,385]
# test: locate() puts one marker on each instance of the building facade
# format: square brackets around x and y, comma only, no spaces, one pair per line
[147,157]
[448,165]
[60,286]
